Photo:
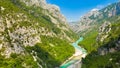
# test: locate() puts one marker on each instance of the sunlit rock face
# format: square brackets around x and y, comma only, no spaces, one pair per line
[104,33]
[53,9]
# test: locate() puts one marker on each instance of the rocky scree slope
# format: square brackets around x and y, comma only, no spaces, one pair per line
[33,34]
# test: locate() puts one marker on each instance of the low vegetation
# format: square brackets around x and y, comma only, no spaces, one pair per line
[89,41]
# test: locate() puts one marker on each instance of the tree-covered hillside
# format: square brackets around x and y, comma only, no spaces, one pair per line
[32,37]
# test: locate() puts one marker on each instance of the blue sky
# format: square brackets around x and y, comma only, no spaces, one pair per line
[74,9]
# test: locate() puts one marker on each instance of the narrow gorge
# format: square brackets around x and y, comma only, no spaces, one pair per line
[40,34]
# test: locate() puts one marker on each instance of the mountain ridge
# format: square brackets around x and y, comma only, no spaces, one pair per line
[89,19]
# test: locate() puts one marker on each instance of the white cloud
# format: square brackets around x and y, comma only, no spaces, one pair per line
[95,9]
[100,6]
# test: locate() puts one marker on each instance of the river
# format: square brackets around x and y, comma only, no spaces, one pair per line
[75,60]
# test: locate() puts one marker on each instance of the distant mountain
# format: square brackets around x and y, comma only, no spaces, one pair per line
[33,34]
[95,17]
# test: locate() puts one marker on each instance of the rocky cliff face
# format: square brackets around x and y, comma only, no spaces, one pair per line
[106,38]
[32,33]
[52,9]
